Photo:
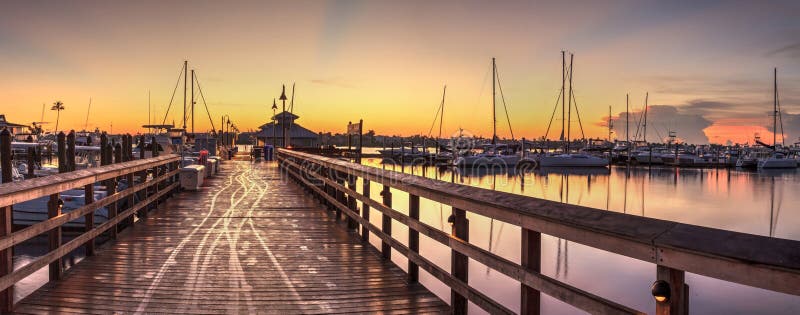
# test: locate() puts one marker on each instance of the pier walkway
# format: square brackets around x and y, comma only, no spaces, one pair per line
[249,242]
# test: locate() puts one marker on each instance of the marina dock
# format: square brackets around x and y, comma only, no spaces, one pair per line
[292,236]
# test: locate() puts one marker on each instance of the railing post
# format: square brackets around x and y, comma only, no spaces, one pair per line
[531,255]
[413,237]
[111,188]
[88,192]
[154,147]
[6,218]
[339,194]
[54,236]
[459,264]
[141,147]
[365,210]
[386,223]
[31,162]
[352,224]
[678,303]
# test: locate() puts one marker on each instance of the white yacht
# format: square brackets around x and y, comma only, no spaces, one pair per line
[572,160]
[490,155]
[777,160]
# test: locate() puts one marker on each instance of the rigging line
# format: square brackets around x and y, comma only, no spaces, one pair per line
[172,98]
[780,118]
[483,87]
[553,115]
[503,98]
[580,124]
[435,118]
[197,81]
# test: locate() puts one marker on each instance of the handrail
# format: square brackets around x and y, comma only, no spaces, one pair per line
[768,263]
[165,171]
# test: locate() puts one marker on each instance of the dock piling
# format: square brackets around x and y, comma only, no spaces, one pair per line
[6,255]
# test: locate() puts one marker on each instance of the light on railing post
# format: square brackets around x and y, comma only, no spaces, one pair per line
[661,291]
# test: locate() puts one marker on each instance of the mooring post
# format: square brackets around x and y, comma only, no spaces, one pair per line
[62,153]
[6,255]
[141,147]
[352,224]
[71,150]
[365,210]
[413,237]
[531,255]
[459,265]
[386,223]
[54,236]
[103,144]
[678,300]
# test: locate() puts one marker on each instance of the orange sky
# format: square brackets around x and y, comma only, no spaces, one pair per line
[387,62]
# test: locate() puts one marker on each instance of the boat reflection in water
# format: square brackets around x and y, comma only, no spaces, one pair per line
[742,201]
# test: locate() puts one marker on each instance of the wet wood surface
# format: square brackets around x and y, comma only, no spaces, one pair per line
[248,242]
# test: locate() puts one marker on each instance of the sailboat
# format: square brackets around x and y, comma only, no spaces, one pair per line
[493,154]
[777,159]
[567,159]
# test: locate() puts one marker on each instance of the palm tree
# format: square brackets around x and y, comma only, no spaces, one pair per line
[58,106]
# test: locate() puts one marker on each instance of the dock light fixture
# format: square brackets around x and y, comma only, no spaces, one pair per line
[661,291]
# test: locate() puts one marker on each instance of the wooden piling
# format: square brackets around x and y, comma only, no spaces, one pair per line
[88,193]
[71,151]
[678,303]
[54,236]
[62,153]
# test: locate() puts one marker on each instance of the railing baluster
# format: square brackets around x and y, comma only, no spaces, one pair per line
[459,262]
[111,188]
[54,210]
[386,223]
[413,237]
[531,258]
[678,303]
[339,194]
[365,210]
[88,198]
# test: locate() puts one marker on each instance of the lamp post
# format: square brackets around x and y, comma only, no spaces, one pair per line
[222,130]
[283,120]
[274,136]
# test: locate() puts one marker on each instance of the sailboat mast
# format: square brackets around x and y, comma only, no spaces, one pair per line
[86,124]
[627,118]
[192,101]
[441,115]
[646,96]
[185,85]
[563,95]
[775,113]
[609,124]
[494,97]
[149,114]
[569,107]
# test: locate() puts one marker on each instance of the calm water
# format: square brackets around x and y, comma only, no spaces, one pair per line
[757,203]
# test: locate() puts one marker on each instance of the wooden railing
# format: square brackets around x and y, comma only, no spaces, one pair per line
[163,183]
[676,248]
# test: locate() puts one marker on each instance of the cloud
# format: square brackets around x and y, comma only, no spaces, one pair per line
[791,50]
[660,120]
[337,82]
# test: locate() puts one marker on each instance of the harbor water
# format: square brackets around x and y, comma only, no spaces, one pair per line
[761,203]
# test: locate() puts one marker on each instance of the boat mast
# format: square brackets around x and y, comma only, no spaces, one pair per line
[627,116]
[86,124]
[569,107]
[441,115]
[185,84]
[192,101]
[494,96]
[609,124]
[775,114]
[646,96]
[563,95]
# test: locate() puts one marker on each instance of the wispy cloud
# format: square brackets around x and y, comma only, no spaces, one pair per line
[790,50]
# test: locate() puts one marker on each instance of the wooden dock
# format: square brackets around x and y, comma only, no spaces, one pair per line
[249,242]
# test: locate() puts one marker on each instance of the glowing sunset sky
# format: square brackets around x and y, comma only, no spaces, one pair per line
[708,64]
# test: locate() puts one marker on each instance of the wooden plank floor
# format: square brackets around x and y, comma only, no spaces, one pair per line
[249,242]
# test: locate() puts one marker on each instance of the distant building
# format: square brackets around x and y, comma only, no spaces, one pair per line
[298,136]
[14,128]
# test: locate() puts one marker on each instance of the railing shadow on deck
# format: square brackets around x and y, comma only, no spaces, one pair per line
[758,261]
[162,184]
